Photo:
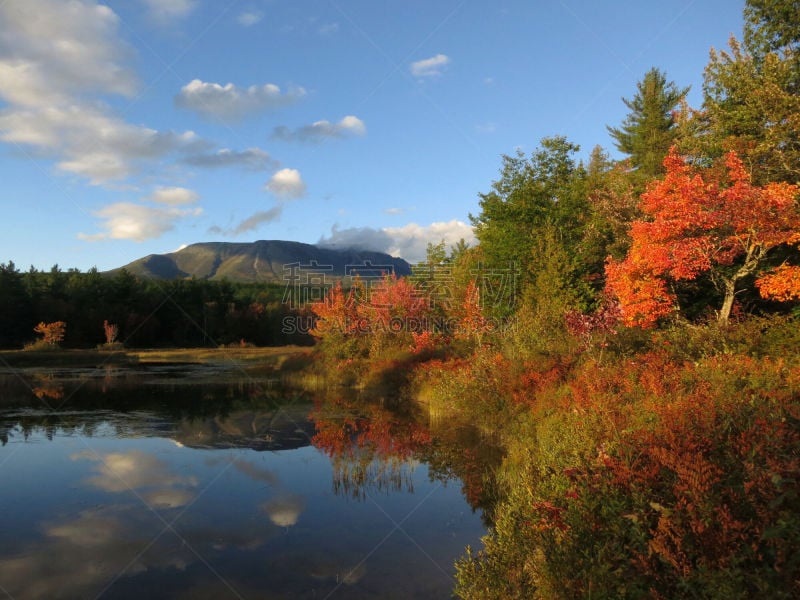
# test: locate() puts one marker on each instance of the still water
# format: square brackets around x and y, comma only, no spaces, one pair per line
[185,482]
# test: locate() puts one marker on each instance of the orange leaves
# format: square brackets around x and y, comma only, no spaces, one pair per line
[336,313]
[394,305]
[52,333]
[781,284]
[642,295]
[695,225]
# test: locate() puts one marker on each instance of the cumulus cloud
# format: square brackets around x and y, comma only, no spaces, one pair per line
[252,159]
[409,241]
[321,130]
[91,141]
[77,556]
[232,102]
[250,223]
[287,184]
[284,511]
[54,56]
[123,471]
[430,67]
[137,222]
[249,18]
[50,49]
[165,11]
[174,196]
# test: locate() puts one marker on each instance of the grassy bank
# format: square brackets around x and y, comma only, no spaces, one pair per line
[272,359]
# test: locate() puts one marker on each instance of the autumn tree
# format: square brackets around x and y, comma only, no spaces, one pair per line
[695,225]
[52,333]
[111,331]
[648,130]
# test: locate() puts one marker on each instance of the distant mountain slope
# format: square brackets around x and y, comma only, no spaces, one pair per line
[263,261]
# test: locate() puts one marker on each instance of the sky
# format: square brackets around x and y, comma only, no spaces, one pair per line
[132,127]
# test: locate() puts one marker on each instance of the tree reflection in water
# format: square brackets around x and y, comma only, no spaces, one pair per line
[377,445]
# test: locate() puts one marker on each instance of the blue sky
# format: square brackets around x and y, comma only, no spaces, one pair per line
[130,127]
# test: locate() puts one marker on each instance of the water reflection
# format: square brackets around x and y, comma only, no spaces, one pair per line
[135,485]
[371,447]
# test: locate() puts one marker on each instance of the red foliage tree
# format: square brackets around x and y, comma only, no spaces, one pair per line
[396,305]
[694,226]
[52,333]
[336,313]
[111,330]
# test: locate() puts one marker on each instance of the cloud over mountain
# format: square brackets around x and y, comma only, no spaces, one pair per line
[409,241]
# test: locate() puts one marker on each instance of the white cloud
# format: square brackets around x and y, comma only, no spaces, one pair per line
[232,102]
[252,159]
[394,211]
[430,67]
[287,184]
[165,11]
[409,241]
[50,49]
[129,221]
[173,196]
[250,18]
[284,511]
[321,130]
[124,471]
[54,57]
[90,141]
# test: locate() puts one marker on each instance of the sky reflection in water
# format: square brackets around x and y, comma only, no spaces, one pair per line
[217,492]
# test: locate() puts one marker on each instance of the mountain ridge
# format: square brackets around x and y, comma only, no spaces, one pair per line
[263,261]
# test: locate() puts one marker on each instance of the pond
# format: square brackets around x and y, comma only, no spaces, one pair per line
[176,481]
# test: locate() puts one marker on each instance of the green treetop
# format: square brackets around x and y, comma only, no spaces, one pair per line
[648,131]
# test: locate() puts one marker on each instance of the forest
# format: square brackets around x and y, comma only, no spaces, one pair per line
[625,330]
[145,313]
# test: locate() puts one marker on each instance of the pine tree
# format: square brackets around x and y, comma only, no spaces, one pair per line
[648,131]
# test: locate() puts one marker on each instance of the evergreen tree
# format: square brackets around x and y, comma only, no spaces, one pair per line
[648,131]
[547,191]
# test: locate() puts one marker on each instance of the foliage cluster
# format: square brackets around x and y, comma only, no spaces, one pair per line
[651,478]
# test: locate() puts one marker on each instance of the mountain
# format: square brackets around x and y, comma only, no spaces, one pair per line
[264,261]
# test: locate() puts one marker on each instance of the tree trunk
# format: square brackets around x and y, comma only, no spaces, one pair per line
[727,303]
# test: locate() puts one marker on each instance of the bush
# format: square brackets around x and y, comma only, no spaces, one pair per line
[40,346]
[653,478]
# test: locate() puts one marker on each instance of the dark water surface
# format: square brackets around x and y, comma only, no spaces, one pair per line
[186,482]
